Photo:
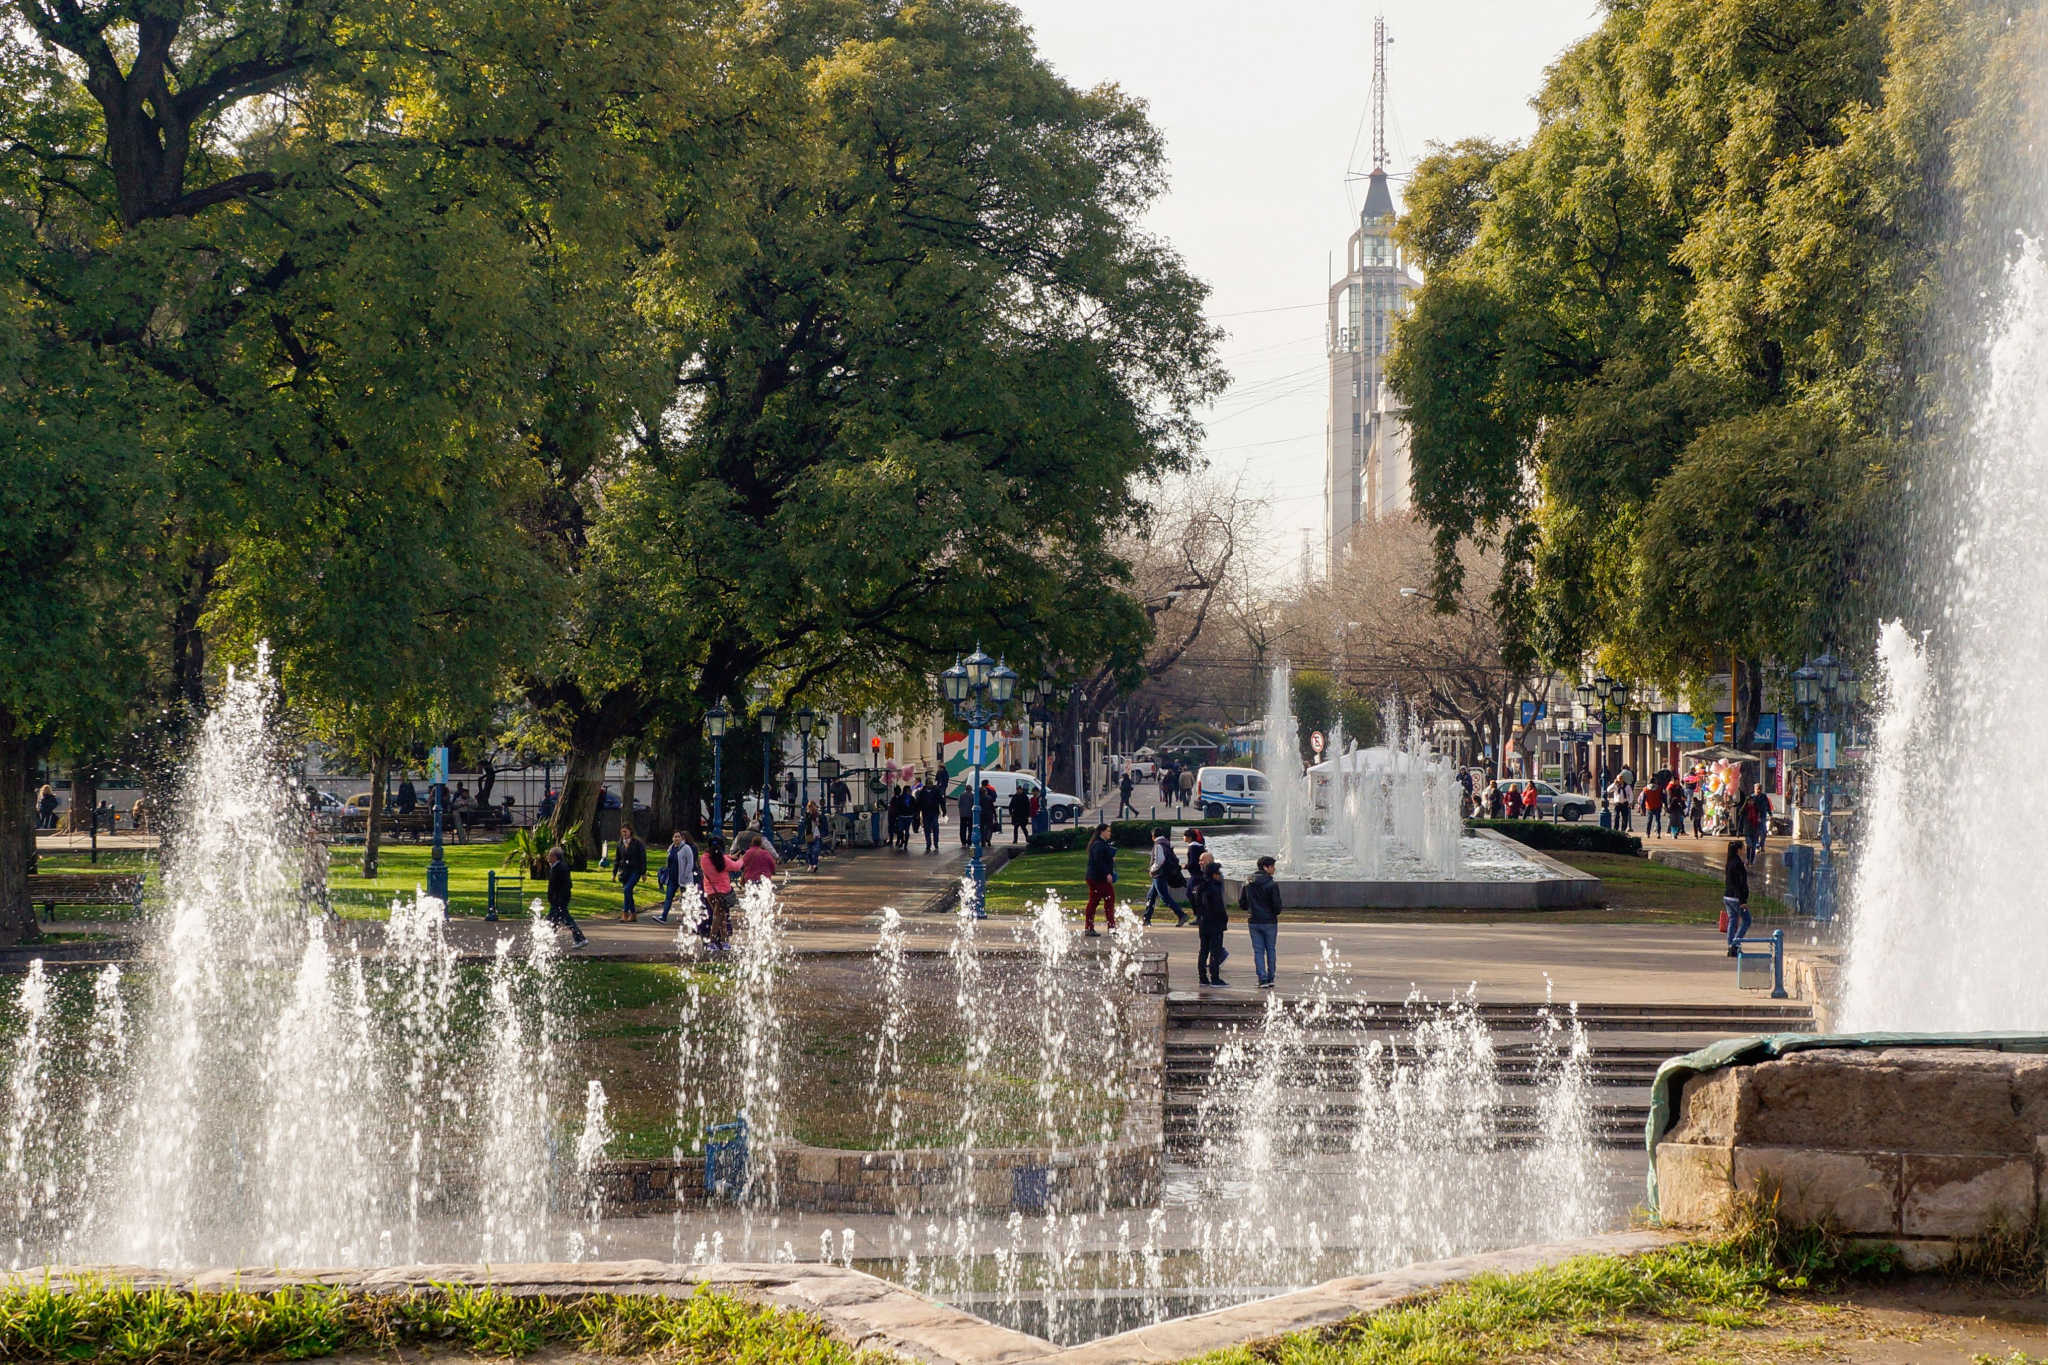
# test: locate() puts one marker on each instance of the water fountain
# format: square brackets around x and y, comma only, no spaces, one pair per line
[263,1087]
[1380,827]
[1947,931]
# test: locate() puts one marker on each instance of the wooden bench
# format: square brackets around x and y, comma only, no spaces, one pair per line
[52,889]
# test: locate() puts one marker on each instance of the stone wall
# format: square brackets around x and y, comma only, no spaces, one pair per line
[1928,1148]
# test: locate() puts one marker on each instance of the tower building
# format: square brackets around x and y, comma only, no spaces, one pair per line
[1366,473]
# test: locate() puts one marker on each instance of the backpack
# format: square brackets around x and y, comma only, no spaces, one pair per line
[1171,871]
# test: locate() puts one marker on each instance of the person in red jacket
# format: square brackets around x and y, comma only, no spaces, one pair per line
[1653,809]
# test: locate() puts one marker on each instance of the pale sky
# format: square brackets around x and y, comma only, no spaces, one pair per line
[1261,106]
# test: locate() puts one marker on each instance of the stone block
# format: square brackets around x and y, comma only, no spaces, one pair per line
[1695,1184]
[1852,1100]
[1709,1107]
[1855,1193]
[1965,1195]
[2029,1072]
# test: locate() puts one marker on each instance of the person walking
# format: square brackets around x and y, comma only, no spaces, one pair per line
[1735,895]
[1674,807]
[1653,809]
[1260,901]
[1124,787]
[627,870]
[963,806]
[813,833]
[715,871]
[989,809]
[1101,875]
[1197,846]
[1166,874]
[1020,814]
[1756,823]
[558,894]
[46,807]
[757,863]
[1696,807]
[930,803]
[1206,894]
[678,870]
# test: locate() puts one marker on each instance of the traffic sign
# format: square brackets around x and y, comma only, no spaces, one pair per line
[1315,741]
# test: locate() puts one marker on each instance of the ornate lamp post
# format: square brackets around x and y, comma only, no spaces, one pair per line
[978,688]
[1041,698]
[806,722]
[716,721]
[768,719]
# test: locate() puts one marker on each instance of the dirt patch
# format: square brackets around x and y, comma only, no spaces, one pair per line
[1929,1321]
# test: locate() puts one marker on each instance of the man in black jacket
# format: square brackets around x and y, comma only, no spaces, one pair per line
[1020,813]
[930,800]
[1205,890]
[1101,880]
[558,894]
[1260,901]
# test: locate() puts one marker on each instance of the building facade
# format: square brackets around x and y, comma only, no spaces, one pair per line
[1366,453]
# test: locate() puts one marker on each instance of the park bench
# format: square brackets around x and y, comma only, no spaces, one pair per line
[1773,954]
[52,889]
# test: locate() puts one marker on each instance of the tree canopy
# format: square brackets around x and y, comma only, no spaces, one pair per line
[1678,353]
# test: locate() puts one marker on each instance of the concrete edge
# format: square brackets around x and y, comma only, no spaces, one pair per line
[1335,1301]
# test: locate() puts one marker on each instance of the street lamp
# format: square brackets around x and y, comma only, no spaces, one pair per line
[1042,695]
[806,721]
[716,720]
[768,718]
[978,688]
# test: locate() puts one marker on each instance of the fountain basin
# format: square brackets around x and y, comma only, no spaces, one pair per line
[1501,875]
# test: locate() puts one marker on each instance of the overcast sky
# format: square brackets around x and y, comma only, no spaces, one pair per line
[1261,106]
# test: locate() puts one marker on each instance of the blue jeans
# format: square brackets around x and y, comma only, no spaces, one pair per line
[626,885]
[1161,892]
[1264,937]
[811,852]
[1738,919]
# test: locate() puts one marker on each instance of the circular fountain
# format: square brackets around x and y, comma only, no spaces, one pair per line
[1379,828]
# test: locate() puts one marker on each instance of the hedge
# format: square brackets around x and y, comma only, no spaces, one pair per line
[1126,833]
[1568,836]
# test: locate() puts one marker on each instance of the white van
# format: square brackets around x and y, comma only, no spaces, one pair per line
[1061,808]
[1220,790]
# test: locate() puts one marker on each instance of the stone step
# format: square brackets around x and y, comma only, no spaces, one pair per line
[1250,1006]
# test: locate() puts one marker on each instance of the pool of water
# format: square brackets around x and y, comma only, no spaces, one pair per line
[1326,859]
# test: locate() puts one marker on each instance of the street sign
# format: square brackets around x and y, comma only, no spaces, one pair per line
[1533,711]
[1315,741]
[437,766]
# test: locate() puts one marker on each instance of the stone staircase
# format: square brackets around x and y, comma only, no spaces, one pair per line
[1628,1041]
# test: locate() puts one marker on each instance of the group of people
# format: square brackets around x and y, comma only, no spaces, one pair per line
[711,873]
[1202,877]
[1176,786]
[922,808]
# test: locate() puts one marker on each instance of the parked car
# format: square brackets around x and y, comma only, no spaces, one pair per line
[1549,800]
[1221,790]
[1061,807]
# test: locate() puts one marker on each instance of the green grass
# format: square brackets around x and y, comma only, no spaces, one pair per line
[402,869]
[110,1322]
[1024,879]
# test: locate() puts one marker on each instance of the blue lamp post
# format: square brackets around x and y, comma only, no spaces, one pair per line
[978,687]
[716,721]
[768,719]
[437,865]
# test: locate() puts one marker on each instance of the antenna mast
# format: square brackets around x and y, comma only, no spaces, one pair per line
[1379,92]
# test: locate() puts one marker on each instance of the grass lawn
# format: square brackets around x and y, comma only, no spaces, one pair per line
[402,869]
[120,1326]
[1024,879]
[1749,1298]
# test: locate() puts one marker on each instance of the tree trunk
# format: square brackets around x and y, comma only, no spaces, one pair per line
[627,786]
[593,731]
[17,832]
[380,763]
[1746,683]
[661,797]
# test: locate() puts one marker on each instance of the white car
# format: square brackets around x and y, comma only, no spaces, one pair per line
[1061,808]
[1551,801]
